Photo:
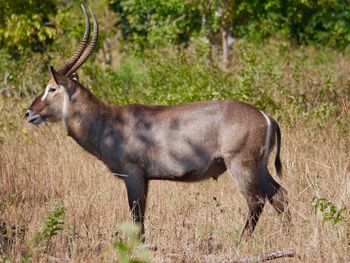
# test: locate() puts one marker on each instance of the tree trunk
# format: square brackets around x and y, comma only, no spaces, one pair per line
[225,50]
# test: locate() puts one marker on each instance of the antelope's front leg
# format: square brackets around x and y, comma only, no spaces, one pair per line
[137,188]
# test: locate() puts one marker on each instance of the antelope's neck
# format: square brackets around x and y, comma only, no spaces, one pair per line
[86,120]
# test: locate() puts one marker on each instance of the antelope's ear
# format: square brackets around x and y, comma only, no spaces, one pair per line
[62,80]
[59,79]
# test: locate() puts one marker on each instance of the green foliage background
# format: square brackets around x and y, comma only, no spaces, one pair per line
[318,22]
[33,25]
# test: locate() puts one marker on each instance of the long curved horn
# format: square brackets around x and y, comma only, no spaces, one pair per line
[79,51]
[89,49]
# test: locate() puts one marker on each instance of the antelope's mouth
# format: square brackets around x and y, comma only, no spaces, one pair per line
[33,118]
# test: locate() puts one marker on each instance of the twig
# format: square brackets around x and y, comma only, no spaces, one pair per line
[260,258]
[319,163]
[266,257]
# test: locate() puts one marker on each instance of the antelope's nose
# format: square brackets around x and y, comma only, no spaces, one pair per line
[34,118]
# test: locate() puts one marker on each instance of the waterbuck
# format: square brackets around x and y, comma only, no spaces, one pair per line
[188,143]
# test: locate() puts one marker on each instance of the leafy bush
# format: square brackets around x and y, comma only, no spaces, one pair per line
[37,25]
[27,25]
[150,23]
[320,22]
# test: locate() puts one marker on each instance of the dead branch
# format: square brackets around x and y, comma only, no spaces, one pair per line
[266,256]
[260,258]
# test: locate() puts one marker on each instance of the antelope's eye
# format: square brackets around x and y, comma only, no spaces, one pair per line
[51,89]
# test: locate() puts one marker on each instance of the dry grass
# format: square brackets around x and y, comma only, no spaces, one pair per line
[187,222]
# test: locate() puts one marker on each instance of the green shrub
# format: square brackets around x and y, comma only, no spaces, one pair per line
[129,248]
[329,211]
[173,77]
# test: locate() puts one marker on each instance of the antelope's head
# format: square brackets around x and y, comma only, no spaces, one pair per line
[52,104]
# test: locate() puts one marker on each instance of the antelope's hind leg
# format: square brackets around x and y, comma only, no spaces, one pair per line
[277,196]
[249,186]
[256,205]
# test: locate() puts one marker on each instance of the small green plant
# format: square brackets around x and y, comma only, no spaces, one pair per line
[329,211]
[132,250]
[53,225]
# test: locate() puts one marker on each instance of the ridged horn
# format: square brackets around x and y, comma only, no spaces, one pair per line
[79,51]
[89,49]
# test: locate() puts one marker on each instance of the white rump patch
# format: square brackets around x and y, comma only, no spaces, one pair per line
[48,87]
[266,147]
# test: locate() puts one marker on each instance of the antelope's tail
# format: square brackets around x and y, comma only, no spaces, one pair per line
[278,163]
